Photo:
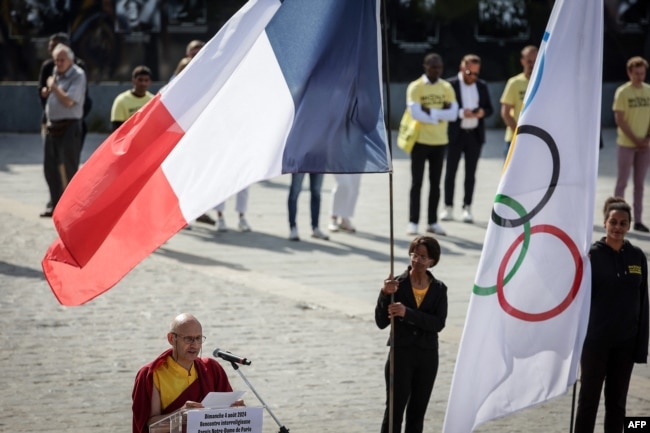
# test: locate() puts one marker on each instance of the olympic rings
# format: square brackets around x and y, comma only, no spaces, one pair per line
[555,175]
[575,286]
[517,207]
[524,219]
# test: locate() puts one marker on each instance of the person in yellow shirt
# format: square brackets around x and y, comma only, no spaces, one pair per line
[632,115]
[432,102]
[512,99]
[178,378]
[128,102]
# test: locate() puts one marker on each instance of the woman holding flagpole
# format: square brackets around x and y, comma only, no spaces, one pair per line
[419,311]
[617,334]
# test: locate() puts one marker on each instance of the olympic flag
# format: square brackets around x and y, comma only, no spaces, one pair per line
[528,312]
[284,87]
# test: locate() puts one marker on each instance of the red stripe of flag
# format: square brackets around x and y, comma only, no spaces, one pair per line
[116,210]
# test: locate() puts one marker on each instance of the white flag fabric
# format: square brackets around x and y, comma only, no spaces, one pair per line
[529,308]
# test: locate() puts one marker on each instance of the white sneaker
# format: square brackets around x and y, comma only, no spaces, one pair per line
[317,234]
[467,215]
[347,226]
[435,228]
[447,214]
[412,229]
[243,225]
[333,226]
[293,235]
[221,224]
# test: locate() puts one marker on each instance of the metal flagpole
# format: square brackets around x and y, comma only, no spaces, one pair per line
[391,355]
[573,406]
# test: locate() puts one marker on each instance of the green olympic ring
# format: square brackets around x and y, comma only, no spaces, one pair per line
[519,209]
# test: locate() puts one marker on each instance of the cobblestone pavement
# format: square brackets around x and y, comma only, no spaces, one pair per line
[301,311]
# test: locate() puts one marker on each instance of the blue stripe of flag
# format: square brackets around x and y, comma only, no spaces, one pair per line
[328,53]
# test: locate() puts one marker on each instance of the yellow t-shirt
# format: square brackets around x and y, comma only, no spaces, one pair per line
[419,295]
[635,104]
[126,104]
[513,94]
[431,96]
[171,379]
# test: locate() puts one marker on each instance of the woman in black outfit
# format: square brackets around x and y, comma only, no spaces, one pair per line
[419,311]
[617,335]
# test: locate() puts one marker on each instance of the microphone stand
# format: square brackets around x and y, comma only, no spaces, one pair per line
[283,429]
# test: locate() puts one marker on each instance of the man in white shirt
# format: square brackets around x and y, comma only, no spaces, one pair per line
[467,133]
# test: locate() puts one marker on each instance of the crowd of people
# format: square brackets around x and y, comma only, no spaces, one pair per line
[66,80]
[450,115]
[450,123]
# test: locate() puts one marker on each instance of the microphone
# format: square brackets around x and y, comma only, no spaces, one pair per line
[223,354]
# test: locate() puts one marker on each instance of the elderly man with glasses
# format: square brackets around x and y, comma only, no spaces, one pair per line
[178,378]
[64,95]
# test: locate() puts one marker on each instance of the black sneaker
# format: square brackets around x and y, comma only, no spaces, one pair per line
[206,219]
[640,227]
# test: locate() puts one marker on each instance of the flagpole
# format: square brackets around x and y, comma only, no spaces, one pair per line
[391,355]
[573,406]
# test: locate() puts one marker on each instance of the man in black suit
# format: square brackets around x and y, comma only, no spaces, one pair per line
[467,133]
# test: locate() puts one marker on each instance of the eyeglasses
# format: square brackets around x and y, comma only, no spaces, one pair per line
[470,73]
[419,258]
[187,339]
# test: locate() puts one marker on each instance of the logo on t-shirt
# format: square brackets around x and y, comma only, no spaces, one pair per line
[634,269]
[638,102]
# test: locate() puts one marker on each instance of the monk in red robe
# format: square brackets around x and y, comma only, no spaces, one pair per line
[178,378]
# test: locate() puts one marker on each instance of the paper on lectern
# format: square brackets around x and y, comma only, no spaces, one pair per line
[217,400]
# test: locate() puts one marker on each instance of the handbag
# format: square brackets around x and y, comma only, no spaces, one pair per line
[408,132]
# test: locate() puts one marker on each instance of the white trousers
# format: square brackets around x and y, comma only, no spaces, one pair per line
[345,194]
[241,203]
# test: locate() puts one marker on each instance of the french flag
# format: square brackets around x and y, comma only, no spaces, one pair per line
[287,86]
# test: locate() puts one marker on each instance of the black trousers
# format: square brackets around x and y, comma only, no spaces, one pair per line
[414,375]
[435,155]
[466,143]
[613,366]
[62,152]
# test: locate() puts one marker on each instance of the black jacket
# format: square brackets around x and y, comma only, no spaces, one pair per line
[419,326]
[619,297]
[484,102]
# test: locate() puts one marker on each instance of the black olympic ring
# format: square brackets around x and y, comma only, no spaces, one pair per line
[555,175]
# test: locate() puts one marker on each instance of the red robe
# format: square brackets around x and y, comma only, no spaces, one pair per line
[211,377]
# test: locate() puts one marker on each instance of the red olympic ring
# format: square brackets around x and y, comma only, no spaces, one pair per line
[575,287]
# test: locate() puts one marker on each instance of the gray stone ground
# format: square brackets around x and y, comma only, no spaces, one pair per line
[303,312]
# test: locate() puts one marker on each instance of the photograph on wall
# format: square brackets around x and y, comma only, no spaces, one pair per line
[630,16]
[37,18]
[502,20]
[414,25]
[137,16]
[187,16]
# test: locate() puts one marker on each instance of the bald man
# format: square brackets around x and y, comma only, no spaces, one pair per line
[178,378]
[512,99]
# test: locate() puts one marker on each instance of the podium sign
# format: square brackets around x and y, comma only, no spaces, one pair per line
[240,419]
